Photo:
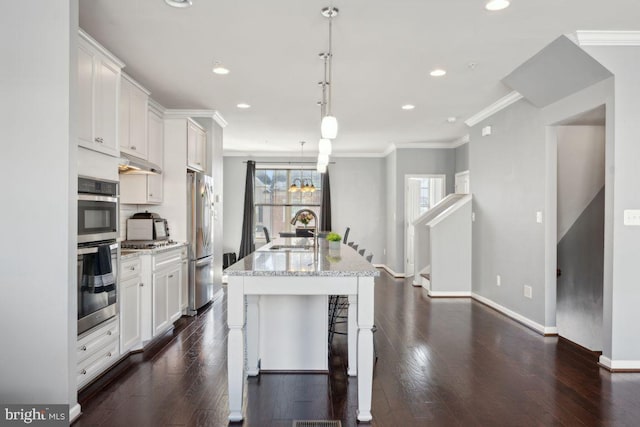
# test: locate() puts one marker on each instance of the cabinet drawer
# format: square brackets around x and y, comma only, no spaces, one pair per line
[97,363]
[130,268]
[94,341]
[166,258]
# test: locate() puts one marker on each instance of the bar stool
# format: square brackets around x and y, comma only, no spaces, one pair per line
[266,234]
[361,251]
[346,235]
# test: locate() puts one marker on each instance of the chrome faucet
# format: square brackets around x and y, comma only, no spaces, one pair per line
[315,226]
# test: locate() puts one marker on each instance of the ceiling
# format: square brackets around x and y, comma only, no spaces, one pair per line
[383,53]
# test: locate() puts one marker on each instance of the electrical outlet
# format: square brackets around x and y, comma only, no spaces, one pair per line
[631,217]
[528,291]
[498,280]
[473,216]
[539,217]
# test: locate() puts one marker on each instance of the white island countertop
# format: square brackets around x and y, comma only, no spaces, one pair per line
[277,314]
[287,257]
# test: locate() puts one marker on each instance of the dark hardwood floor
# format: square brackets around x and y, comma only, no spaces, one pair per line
[441,362]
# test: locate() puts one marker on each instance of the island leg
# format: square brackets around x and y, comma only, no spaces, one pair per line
[352,336]
[253,335]
[235,349]
[365,347]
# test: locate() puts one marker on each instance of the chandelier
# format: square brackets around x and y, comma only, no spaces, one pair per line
[304,185]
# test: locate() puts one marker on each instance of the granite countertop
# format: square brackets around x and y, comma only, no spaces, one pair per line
[132,253]
[275,259]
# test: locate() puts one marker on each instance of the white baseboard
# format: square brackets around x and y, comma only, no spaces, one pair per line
[619,365]
[390,271]
[74,412]
[445,294]
[542,330]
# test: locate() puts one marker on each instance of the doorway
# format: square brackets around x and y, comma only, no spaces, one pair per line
[580,228]
[421,193]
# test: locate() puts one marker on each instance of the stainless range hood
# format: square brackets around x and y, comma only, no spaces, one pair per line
[133,165]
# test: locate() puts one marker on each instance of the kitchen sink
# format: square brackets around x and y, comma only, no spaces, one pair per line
[292,248]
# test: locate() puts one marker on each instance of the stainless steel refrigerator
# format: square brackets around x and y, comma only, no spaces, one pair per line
[200,235]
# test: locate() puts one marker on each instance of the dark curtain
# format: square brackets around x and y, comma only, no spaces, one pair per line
[325,207]
[247,245]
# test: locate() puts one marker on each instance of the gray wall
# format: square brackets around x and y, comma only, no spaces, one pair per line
[462,158]
[357,199]
[580,255]
[412,161]
[508,189]
[622,243]
[38,304]
[394,222]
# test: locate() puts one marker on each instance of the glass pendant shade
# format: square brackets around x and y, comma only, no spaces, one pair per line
[329,127]
[323,159]
[324,146]
[321,168]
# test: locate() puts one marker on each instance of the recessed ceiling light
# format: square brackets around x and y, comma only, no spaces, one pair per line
[451,119]
[438,72]
[219,69]
[408,107]
[243,106]
[494,5]
[179,3]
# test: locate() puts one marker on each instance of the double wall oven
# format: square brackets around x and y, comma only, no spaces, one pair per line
[97,251]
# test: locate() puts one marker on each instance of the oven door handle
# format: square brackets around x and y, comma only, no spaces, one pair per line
[95,198]
[94,249]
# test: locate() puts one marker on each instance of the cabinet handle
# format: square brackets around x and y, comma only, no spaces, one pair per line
[109,354]
[171,276]
[150,195]
[99,139]
[133,147]
[132,268]
[83,348]
[141,284]
[108,332]
[84,372]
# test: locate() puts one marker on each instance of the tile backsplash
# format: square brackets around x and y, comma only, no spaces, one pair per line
[126,211]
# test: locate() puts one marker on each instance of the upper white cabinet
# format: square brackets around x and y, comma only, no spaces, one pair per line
[196,146]
[147,189]
[134,100]
[98,96]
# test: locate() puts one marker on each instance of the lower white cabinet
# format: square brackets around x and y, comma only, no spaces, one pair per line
[130,305]
[185,281]
[97,349]
[161,291]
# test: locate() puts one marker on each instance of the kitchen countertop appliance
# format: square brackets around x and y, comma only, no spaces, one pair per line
[200,236]
[147,226]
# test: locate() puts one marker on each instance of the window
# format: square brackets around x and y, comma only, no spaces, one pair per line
[275,205]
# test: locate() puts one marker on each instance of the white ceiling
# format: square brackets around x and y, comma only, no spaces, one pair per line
[383,52]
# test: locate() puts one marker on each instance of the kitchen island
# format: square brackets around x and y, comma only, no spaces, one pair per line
[288,278]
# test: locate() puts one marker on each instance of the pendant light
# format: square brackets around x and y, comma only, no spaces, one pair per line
[329,124]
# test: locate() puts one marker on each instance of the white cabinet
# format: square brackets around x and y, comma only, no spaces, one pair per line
[147,189]
[196,146]
[98,96]
[130,305]
[96,350]
[134,101]
[167,284]
[184,299]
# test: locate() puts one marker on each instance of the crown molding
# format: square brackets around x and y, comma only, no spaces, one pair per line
[606,38]
[83,34]
[185,114]
[435,144]
[135,83]
[489,111]
[461,141]
[156,107]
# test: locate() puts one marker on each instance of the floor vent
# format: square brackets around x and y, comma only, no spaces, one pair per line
[317,423]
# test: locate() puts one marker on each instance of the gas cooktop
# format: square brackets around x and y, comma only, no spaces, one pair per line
[146,244]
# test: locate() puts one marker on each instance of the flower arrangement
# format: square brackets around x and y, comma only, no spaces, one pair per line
[305,218]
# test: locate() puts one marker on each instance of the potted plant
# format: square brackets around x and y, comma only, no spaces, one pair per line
[334,240]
